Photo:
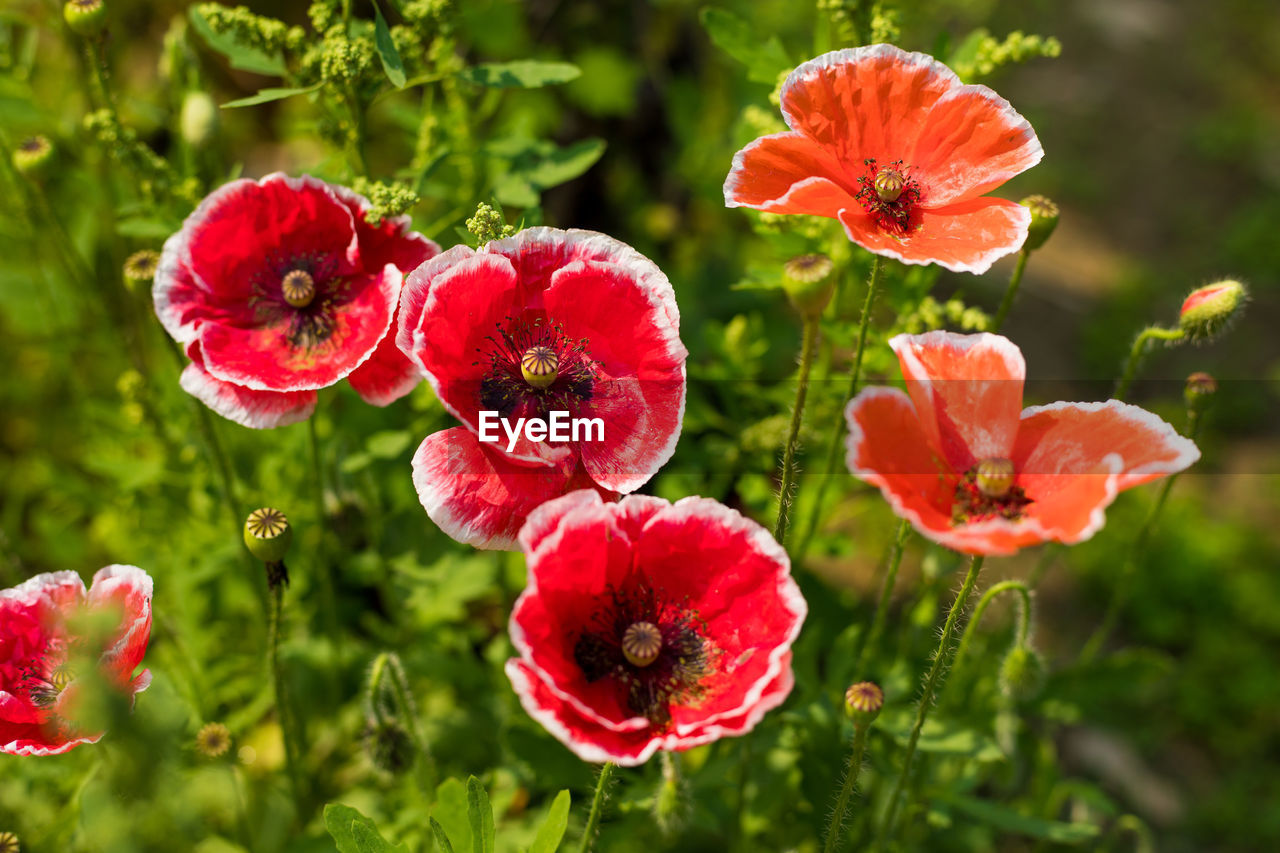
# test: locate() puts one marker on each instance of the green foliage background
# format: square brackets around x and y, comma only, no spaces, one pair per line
[1160,124]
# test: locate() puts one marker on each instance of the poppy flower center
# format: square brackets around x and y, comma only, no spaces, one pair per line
[986,491]
[889,194]
[535,368]
[46,683]
[298,288]
[651,650]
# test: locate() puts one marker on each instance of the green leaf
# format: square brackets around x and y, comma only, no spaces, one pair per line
[242,56]
[267,95]
[765,58]
[1007,820]
[145,228]
[942,737]
[480,816]
[388,444]
[391,62]
[523,74]
[355,833]
[450,811]
[565,164]
[442,840]
[552,829]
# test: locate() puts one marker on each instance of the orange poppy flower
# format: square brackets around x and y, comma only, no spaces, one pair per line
[956,457]
[894,146]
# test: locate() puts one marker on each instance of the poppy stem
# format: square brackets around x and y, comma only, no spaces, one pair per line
[872,640]
[1024,617]
[387,668]
[932,682]
[851,772]
[597,807]
[833,446]
[1138,350]
[328,600]
[786,496]
[1120,593]
[283,711]
[1012,290]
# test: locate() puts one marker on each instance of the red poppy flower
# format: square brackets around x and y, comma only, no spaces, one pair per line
[546,321]
[957,458]
[894,146]
[38,648]
[648,625]
[279,287]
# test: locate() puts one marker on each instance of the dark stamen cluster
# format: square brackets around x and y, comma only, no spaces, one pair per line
[972,504]
[504,387]
[681,662]
[891,210]
[310,326]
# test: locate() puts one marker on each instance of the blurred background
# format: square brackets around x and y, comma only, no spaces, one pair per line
[1161,126]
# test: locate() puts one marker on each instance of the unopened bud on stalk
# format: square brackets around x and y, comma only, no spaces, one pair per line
[1044,218]
[1199,391]
[388,746]
[213,740]
[862,702]
[33,157]
[807,280]
[198,120]
[85,17]
[1207,310]
[267,535]
[1021,673]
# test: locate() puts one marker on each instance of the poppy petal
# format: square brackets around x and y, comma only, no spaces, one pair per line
[128,589]
[788,173]
[972,141]
[387,376]
[865,102]
[966,237]
[253,409]
[967,390]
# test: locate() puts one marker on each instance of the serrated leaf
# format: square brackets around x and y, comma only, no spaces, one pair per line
[522,74]
[1008,820]
[765,58]
[479,816]
[442,840]
[242,56]
[553,826]
[391,62]
[267,95]
[352,832]
[565,164]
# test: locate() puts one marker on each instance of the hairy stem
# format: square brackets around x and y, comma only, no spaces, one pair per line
[1138,350]
[785,497]
[851,772]
[872,640]
[1012,290]
[288,729]
[1024,617]
[597,807]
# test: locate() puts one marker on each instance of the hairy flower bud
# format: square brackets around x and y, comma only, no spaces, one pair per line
[1199,391]
[1044,218]
[1207,310]
[388,746]
[807,280]
[862,702]
[85,17]
[1021,673]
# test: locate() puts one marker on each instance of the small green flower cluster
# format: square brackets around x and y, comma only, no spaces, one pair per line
[993,54]
[931,314]
[257,31]
[488,225]
[157,176]
[387,199]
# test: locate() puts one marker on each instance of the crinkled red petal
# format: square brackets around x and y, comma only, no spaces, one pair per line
[253,409]
[126,590]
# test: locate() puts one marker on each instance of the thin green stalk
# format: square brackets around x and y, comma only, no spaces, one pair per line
[1138,350]
[785,497]
[288,729]
[597,807]
[1024,617]
[846,788]
[1012,290]
[932,682]
[837,434]
[872,641]
[328,599]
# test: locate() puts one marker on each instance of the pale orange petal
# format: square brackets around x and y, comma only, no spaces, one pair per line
[965,237]
[788,173]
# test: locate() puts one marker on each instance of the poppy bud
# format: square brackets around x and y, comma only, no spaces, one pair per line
[1044,218]
[1021,673]
[198,120]
[9,843]
[267,535]
[862,702]
[807,280]
[33,157]
[213,740]
[1199,391]
[1207,310]
[388,746]
[85,17]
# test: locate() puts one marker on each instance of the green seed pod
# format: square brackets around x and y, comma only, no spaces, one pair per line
[140,268]
[1044,218]
[85,17]
[267,534]
[33,157]
[213,740]
[1207,310]
[1199,391]
[9,843]
[862,702]
[1022,673]
[807,281]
